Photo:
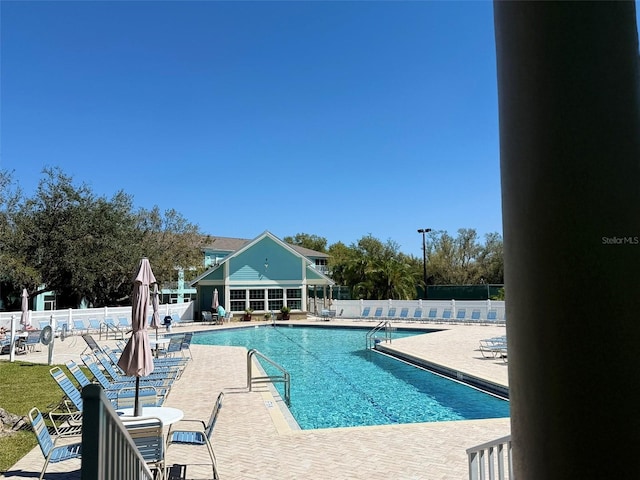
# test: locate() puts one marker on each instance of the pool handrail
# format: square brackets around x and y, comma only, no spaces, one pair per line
[285,378]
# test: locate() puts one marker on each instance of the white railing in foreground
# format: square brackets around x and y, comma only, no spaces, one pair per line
[108,451]
[487,461]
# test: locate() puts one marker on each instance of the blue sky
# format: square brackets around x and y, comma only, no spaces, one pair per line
[339,119]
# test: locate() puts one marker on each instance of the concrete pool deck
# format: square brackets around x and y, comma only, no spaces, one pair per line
[252,438]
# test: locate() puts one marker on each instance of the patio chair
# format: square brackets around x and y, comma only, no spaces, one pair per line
[494,347]
[5,346]
[158,378]
[404,313]
[432,316]
[80,327]
[199,437]
[186,344]
[461,315]
[124,323]
[365,312]
[161,366]
[32,342]
[95,325]
[492,315]
[71,416]
[147,435]
[475,316]
[51,452]
[417,313]
[110,327]
[378,313]
[92,345]
[447,315]
[174,346]
[159,393]
[391,313]
[207,317]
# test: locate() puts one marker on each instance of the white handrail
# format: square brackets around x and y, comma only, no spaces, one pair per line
[486,461]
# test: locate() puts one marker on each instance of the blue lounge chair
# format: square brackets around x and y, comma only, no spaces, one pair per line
[199,437]
[31,343]
[52,454]
[164,366]
[124,323]
[391,313]
[461,315]
[365,312]
[417,314]
[492,315]
[404,313]
[156,378]
[124,389]
[80,327]
[432,316]
[447,315]
[186,344]
[378,313]
[95,324]
[475,316]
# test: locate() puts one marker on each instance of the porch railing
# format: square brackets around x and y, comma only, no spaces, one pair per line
[487,461]
[108,452]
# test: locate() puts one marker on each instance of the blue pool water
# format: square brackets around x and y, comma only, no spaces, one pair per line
[337,382]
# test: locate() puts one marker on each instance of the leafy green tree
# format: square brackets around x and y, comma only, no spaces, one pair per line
[15,271]
[170,241]
[313,242]
[83,246]
[491,259]
[377,270]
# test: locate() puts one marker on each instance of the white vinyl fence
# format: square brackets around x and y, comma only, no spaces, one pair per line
[180,312]
[443,311]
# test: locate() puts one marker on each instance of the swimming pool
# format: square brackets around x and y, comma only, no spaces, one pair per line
[337,382]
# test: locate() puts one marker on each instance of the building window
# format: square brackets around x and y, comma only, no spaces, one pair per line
[237,306]
[256,305]
[256,294]
[49,302]
[275,293]
[294,304]
[294,298]
[238,295]
[275,304]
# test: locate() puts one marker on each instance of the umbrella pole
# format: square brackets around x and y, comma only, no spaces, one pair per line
[137,411]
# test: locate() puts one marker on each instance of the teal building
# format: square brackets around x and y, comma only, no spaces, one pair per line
[263,274]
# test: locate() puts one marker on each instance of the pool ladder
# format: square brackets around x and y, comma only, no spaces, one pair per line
[372,338]
[284,378]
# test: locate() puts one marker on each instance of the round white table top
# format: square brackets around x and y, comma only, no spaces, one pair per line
[167,415]
[160,341]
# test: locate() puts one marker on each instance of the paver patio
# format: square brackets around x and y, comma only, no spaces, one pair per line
[252,438]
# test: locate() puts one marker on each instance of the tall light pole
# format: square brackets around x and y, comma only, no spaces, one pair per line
[423,231]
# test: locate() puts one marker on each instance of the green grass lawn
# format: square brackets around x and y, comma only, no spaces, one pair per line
[24,386]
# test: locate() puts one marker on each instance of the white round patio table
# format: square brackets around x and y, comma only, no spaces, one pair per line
[167,415]
[157,344]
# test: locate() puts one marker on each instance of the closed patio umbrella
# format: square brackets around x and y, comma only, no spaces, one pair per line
[214,301]
[24,318]
[155,304]
[136,358]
